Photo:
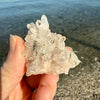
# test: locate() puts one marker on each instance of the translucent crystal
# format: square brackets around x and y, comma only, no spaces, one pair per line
[46,52]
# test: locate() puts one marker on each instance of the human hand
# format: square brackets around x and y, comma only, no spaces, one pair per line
[15,86]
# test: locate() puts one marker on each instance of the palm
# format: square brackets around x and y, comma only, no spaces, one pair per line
[24,90]
[26,87]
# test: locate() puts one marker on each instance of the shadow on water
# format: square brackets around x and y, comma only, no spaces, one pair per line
[84,43]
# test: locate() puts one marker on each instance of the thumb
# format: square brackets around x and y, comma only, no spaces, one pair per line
[13,68]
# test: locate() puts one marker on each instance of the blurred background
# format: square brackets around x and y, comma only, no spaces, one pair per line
[78,20]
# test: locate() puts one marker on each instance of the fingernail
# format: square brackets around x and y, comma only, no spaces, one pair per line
[12,43]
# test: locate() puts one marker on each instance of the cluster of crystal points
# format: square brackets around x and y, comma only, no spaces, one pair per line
[45,51]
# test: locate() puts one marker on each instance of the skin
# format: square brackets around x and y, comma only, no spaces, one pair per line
[14,85]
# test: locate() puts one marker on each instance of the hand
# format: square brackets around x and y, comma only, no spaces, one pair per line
[15,85]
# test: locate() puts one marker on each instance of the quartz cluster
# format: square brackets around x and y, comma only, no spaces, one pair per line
[46,52]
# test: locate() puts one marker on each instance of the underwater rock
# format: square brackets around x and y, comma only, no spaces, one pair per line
[46,52]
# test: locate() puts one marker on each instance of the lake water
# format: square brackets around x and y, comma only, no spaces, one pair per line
[14,8]
[17,13]
[78,20]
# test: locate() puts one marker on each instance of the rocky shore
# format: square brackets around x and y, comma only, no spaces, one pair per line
[80,85]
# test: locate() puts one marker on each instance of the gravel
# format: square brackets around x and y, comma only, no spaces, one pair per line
[80,85]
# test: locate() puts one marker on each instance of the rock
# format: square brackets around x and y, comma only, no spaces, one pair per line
[46,52]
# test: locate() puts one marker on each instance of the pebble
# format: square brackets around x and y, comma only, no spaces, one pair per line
[95,59]
[85,86]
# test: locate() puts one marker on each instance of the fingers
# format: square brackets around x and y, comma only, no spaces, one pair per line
[21,92]
[13,68]
[47,88]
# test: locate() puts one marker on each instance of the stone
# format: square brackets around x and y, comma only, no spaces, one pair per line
[46,52]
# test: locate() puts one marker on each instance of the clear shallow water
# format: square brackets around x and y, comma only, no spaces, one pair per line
[11,8]
[78,20]
[17,13]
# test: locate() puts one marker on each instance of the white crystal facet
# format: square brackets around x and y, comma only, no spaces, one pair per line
[45,51]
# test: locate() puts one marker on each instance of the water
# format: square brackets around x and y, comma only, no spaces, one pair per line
[11,8]
[21,11]
[78,20]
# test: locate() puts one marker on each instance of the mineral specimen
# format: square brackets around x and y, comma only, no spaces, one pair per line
[46,52]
